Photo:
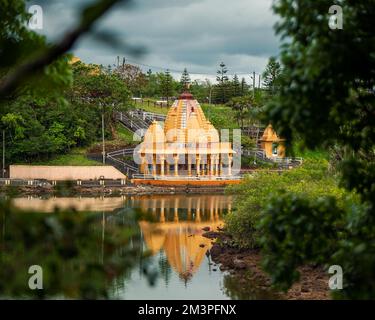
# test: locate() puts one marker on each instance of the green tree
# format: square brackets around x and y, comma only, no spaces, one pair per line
[133,77]
[236,86]
[244,87]
[185,80]
[245,109]
[222,86]
[271,76]
[327,99]
[166,85]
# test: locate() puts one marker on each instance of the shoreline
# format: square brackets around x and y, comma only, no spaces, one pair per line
[245,266]
[107,190]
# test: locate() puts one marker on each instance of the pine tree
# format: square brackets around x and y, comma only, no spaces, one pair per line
[271,75]
[185,80]
[149,73]
[166,85]
[243,87]
[222,80]
[236,86]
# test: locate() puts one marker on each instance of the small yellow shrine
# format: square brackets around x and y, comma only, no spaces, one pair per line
[273,146]
[188,148]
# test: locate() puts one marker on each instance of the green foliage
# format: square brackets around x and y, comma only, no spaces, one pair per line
[220,116]
[166,83]
[271,76]
[133,77]
[125,135]
[222,86]
[312,181]
[301,230]
[77,260]
[327,99]
[185,80]
[322,85]
[41,127]
[245,108]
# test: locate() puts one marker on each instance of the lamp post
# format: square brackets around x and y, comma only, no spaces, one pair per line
[103,140]
[3,174]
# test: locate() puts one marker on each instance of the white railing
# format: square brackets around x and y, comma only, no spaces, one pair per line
[122,152]
[145,115]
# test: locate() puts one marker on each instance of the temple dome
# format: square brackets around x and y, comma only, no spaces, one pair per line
[154,134]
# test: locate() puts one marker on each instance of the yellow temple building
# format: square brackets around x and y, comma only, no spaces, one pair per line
[187,150]
[272,144]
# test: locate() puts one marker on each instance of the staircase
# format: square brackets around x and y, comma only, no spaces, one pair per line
[132,122]
[116,158]
[147,117]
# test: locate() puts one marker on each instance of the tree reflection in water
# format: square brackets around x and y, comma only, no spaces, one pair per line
[81,253]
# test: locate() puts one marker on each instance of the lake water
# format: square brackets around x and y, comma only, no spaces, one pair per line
[173,260]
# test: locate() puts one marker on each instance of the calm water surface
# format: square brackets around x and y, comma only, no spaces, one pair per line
[169,238]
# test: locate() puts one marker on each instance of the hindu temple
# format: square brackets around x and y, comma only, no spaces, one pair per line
[187,149]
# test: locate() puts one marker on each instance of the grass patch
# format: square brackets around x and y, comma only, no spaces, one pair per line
[150,107]
[71,159]
[125,135]
[221,116]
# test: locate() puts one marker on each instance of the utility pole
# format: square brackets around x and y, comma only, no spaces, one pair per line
[3,175]
[254,84]
[259,82]
[103,141]
[210,97]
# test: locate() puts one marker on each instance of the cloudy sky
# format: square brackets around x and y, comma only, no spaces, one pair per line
[196,34]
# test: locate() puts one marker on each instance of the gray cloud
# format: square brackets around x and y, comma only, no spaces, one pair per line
[197,34]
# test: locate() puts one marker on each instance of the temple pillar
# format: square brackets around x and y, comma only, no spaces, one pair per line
[154,165]
[168,167]
[162,162]
[189,165]
[175,165]
[198,165]
[221,165]
[216,165]
[145,165]
[229,164]
[212,160]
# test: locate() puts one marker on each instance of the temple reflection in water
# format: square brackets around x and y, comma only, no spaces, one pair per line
[170,225]
[178,230]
